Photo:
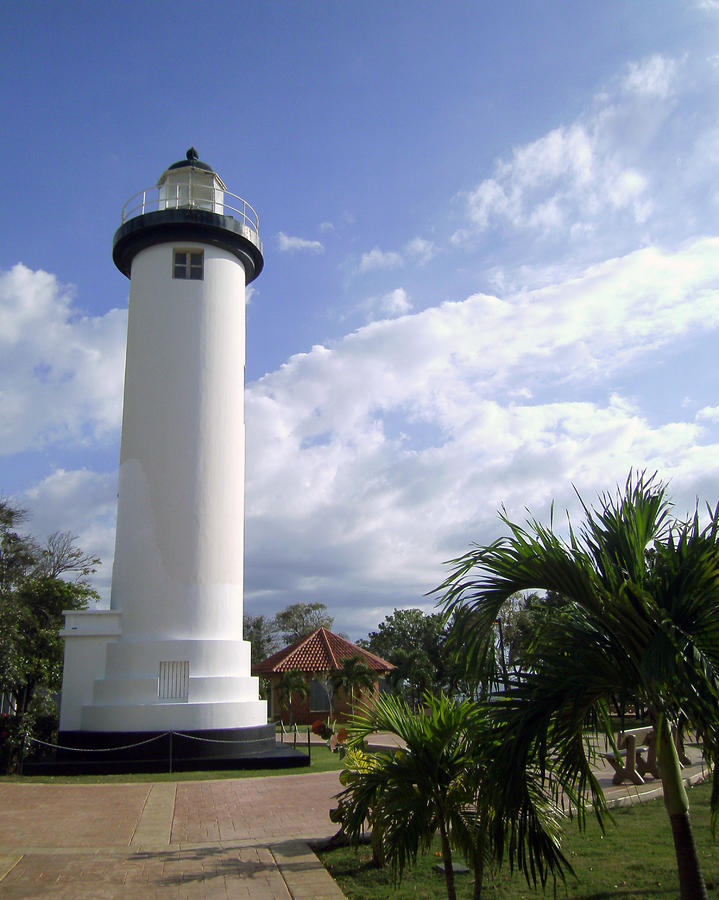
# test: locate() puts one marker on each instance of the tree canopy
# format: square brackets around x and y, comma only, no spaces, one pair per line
[416,643]
[300,619]
[261,631]
[268,633]
[37,582]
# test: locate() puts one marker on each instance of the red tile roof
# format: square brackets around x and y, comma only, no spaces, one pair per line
[321,651]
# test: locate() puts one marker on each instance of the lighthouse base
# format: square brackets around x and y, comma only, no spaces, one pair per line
[115,685]
[145,751]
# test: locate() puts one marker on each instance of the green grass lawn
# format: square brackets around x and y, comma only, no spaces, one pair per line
[633,859]
[322,761]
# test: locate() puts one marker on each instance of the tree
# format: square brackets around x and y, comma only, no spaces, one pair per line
[352,675]
[413,675]
[32,650]
[521,617]
[34,591]
[291,684]
[416,644]
[435,785]
[300,619]
[18,553]
[640,619]
[261,632]
[61,556]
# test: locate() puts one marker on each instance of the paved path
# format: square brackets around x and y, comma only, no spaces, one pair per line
[244,838]
[214,839]
[625,794]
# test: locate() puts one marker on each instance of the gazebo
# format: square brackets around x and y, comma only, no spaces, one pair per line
[316,657]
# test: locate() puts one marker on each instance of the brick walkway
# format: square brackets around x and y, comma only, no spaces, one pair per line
[213,839]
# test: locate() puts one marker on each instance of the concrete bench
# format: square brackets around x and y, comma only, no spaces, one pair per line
[637,756]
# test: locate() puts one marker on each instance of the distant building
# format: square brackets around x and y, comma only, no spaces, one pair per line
[316,657]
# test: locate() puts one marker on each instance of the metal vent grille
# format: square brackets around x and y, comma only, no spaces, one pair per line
[174,681]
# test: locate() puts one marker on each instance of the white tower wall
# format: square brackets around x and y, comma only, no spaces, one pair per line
[169,654]
[178,567]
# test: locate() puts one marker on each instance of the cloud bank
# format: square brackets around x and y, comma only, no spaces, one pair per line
[371,461]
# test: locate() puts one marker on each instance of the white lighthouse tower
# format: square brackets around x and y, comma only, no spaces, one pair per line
[168,656]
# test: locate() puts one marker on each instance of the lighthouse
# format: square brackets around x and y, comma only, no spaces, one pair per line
[169,655]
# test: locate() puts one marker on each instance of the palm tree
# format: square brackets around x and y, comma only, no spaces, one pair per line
[413,674]
[291,684]
[434,785]
[353,674]
[641,621]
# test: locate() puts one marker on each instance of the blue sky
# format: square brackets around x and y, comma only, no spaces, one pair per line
[491,268]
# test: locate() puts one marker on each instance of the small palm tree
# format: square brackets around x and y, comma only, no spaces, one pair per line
[413,674]
[640,622]
[352,675]
[431,786]
[291,684]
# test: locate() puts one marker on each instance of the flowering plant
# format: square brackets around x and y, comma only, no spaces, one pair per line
[324,729]
[318,727]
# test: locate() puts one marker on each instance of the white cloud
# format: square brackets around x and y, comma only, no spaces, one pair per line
[627,190]
[597,172]
[61,372]
[607,318]
[395,303]
[389,305]
[379,259]
[420,250]
[708,414]
[290,244]
[83,502]
[652,77]
[557,183]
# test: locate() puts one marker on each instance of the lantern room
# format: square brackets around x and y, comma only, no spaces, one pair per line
[191,183]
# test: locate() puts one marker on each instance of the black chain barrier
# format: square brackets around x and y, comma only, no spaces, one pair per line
[99,749]
[158,737]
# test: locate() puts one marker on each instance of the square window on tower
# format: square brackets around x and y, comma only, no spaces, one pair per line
[188,264]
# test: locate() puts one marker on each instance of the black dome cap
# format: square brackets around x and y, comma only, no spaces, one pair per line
[192,160]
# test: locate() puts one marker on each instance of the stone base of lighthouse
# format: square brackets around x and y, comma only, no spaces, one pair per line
[149,703]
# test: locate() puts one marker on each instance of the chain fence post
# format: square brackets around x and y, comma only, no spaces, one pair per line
[22,749]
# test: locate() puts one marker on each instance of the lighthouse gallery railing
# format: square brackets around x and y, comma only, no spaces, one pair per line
[192,196]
